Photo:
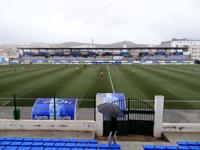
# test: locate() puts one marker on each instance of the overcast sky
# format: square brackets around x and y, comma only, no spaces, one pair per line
[106,21]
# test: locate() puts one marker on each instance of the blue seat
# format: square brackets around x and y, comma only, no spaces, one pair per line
[48,144]
[10,148]
[148,147]
[77,149]
[194,147]
[15,143]
[2,138]
[9,139]
[26,143]
[28,139]
[114,146]
[81,145]
[50,148]
[70,145]
[37,139]
[2,147]
[92,149]
[24,148]
[46,140]
[83,141]
[193,143]
[172,147]
[183,148]
[160,147]
[5,143]
[62,140]
[37,144]
[19,139]
[182,143]
[104,146]
[92,141]
[59,144]
[54,140]
[37,148]
[92,145]
[61,148]
[73,141]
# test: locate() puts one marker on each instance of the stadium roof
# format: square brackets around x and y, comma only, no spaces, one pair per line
[100,48]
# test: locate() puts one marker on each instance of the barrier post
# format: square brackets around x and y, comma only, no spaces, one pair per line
[158,117]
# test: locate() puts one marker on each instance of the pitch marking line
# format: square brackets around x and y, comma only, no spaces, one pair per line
[110,79]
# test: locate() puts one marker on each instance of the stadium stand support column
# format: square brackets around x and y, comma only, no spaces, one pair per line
[99,118]
[158,117]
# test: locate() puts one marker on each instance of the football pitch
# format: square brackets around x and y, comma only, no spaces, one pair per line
[180,84]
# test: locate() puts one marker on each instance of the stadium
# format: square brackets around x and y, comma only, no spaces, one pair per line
[148,84]
[144,55]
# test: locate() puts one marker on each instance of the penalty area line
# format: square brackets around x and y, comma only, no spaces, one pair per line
[110,79]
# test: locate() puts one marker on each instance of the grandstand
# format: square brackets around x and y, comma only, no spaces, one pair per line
[104,55]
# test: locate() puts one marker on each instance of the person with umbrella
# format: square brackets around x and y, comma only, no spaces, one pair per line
[112,111]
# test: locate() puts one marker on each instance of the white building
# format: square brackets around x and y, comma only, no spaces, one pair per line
[193,46]
[195,52]
[180,43]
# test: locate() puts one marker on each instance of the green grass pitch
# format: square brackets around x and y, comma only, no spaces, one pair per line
[175,82]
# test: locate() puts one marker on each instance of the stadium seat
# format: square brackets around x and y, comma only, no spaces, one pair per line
[92,141]
[92,145]
[172,147]
[24,148]
[194,147]
[160,147]
[5,143]
[10,148]
[81,145]
[50,148]
[9,139]
[28,139]
[183,148]
[148,147]
[63,149]
[70,145]
[114,146]
[104,146]
[2,138]
[19,139]
[37,144]
[36,148]
[2,147]
[15,143]
[26,144]
[182,143]
[49,144]
[59,144]
[73,141]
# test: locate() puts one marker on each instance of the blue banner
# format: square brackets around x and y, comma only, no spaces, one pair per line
[43,109]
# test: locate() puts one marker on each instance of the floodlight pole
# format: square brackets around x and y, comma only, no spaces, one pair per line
[54,104]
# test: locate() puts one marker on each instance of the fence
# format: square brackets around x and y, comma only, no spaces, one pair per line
[85,108]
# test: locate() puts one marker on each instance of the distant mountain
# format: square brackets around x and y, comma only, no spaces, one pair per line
[79,44]
[75,44]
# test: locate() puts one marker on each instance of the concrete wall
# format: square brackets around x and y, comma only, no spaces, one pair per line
[67,125]
[181,127]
